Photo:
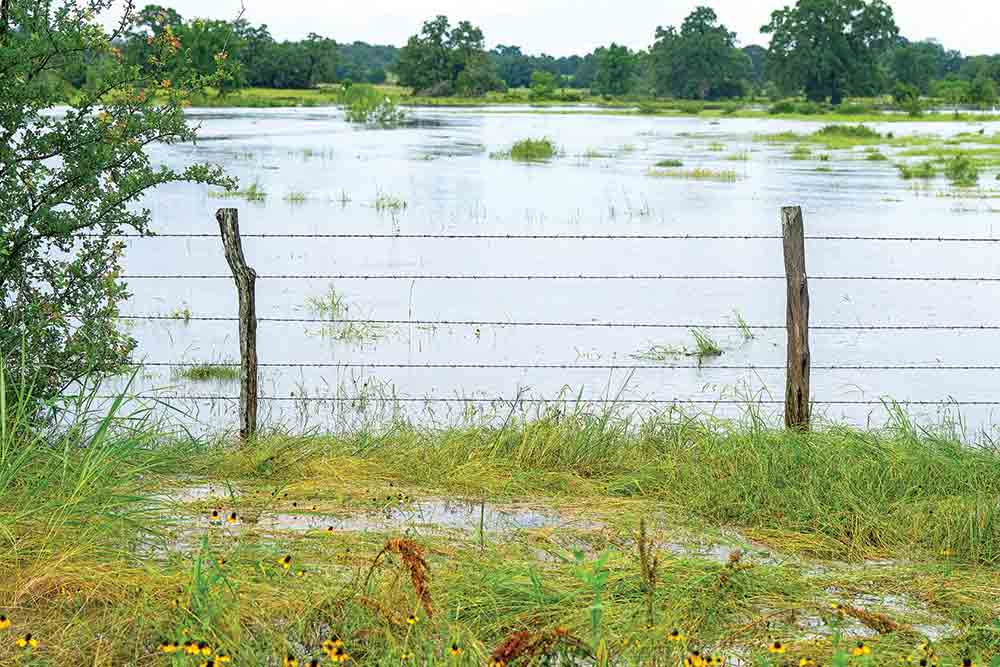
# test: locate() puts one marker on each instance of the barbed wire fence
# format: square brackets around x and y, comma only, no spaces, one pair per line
[797,402]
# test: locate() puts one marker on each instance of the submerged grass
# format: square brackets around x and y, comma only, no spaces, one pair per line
[697,174]
[659,537]
[209,372]
[254,193]
[528,150]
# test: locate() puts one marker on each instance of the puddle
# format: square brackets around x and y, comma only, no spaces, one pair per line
[197,493]
[433,515]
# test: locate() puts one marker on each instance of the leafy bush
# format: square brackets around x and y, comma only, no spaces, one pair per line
[962,171]
[365,105]
[533,149]
[82,171]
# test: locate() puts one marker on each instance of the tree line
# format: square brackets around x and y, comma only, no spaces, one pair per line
[826,50]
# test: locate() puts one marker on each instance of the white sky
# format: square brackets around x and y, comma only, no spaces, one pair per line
[566,27]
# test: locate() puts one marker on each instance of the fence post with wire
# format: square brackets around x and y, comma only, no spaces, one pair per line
[246,280]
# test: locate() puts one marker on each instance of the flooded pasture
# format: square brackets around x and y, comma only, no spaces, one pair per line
[317,175]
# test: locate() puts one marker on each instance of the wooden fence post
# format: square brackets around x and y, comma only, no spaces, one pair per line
[797,406]
[246,279]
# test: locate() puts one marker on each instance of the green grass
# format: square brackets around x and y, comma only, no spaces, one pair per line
[733,533]
[664,164]
[704,348]
[923,170]
[698,174]
[386,202]
[875,155]
[296,197]
[208,373]
[528,150]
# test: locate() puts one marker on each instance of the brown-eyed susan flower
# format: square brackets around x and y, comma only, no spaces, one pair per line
[329,529]
[27,641]
[861,649]
[807,662]
[404,656]
[191,648]
[4,622]
[455,650]
[204,649]
[222,659]
[208,663]
[300,573]
[216,515]
[694,660]
[285,562]
[967,662]
[338,654]
[290,661]
[411,619]
[777,648]
[221,562]
[314,662]
[232,518]
[675,636]
[169,647]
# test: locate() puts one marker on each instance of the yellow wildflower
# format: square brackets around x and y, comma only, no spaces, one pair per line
[215,516]
[675,636]
[285,562]
[339,655]
[27,641]
[4,622]
[290,661]
[861,649]
[232,518]
[169,647]
[222,659]
[807,662]
[776,648]
[455,650]
[411,619]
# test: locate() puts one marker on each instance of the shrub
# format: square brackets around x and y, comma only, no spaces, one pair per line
[365,105]
[528,150]
[782,107]
[962,171]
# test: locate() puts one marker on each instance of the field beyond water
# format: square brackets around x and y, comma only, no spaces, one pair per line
[568,538]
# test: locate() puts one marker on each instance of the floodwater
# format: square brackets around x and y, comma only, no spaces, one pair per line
[324,176]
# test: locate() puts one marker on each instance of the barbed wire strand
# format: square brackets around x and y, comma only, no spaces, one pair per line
[526,277]
[612,325]
[569,237]
[508,401]
[602,367]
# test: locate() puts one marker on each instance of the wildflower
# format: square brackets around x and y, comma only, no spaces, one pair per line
[221,562]
[330,645]
[807,662]
[222,659]
[411,619]
[191,647]
[861,649]
[717,661]
[169,647]
[694,660]
[208,663]
[675,636]
[204,649]
[4,622]
[290,661]
[314,662]
[300,573]
[776,648]
[232,518]
[27,641]
[455,650]
[285,562]
[329,529]
[215,516]
[404,656]
[339,654]
[967,662]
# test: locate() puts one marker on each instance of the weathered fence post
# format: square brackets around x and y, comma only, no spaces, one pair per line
[797,378]
[246,279]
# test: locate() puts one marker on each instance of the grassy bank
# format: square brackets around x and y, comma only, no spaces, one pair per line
[478,545]
[574,102]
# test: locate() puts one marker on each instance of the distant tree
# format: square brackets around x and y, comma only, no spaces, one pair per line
[916,64]
[586,73]
[543,85]
[830,48]
[513,66]
[616,69]
[982,91]
[700,60]
[758,63]
[436,61]
[426,61]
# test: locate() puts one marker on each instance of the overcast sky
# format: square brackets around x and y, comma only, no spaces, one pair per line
[566,27]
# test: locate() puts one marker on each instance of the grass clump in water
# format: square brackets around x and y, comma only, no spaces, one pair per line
[875,155]
[800,153]
[209,373]
[254,193]
[528,150]
[669,163]
[962,171]
[698,174]
[924,170]
[386,202]
[849,132]
[296,197]
[704,348]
